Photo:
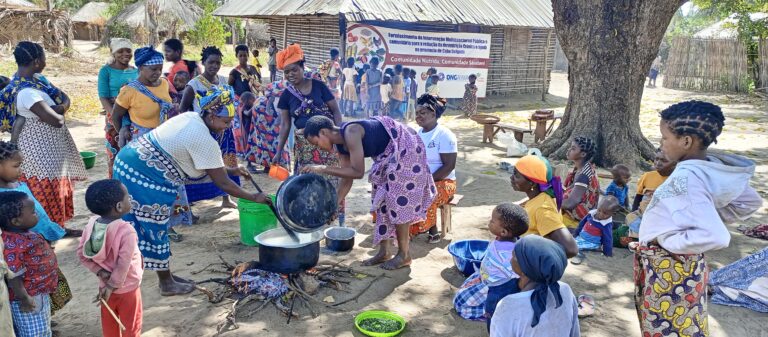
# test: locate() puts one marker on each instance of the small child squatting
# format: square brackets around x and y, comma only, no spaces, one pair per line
[109,249]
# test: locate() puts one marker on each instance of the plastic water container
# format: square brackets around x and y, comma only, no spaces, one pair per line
[255,218]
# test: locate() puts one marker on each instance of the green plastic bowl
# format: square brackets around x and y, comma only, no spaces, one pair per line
[89,158]
[379,314]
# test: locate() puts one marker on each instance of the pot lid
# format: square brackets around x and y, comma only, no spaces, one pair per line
[307,202]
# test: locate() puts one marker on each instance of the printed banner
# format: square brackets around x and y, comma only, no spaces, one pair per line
[455,56]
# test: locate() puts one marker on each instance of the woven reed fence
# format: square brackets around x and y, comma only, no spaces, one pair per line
[707,65]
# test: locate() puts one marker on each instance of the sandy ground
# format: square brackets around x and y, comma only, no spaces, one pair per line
[422,293]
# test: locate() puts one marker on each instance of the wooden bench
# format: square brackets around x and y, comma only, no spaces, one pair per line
[445,214]
[490,131]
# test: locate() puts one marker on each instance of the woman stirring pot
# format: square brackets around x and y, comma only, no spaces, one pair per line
[157,163]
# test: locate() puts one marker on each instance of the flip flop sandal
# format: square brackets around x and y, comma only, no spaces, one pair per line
[434,238]
[578,259]
[586,305]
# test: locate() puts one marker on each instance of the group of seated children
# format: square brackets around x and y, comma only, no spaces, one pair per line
[480,296]
[29,267]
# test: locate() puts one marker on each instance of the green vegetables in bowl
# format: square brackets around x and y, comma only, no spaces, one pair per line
[379,323]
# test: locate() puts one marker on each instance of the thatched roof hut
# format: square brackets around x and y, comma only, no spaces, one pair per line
[52,28]
[89,21]
[173,17]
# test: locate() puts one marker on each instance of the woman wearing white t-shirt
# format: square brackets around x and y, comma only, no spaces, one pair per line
[51,163]
[153,166]
[442,150]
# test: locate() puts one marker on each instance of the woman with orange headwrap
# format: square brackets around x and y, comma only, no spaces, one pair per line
[302,99]
[534,176]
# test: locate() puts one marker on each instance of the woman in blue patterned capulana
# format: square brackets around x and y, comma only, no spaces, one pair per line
[153,166]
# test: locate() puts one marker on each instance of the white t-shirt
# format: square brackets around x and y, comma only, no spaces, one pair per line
[187,139]
[514,315]
[386,91]
[26,98]
[439,140]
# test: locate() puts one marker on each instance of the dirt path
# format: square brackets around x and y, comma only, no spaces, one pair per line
[423,293]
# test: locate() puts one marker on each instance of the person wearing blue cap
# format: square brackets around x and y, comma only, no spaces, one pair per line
[544,306]
[154,165]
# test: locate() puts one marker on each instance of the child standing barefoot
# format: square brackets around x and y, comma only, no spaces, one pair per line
[685,219]
[109,248]
[27,252]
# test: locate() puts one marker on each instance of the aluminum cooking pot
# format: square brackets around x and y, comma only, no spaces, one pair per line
[306,202]
[279,253]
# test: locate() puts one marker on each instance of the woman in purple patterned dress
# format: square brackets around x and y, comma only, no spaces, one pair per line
[403,188]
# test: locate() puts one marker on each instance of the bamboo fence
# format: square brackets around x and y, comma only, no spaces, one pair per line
[707,65]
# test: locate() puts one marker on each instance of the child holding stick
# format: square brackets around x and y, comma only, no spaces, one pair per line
[109,248]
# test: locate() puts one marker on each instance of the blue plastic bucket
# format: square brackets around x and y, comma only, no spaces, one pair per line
[467,254]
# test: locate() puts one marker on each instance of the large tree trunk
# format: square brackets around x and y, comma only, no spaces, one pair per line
[610,45]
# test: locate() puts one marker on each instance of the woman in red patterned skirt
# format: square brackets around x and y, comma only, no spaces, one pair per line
[52,163]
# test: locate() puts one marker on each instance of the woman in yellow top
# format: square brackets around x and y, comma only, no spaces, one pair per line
[145,100]
[141,106]
[534,176]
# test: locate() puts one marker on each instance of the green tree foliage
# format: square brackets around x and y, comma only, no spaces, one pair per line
[741,10]
[209,30]
[70,5]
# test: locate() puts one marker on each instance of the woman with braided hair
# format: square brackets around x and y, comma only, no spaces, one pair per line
[52,163]
[582,189]
[686,219]
[197,88]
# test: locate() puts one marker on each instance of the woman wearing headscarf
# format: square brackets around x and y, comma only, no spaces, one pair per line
[544,306]
[52,163]
[403,188]
[112,77]
[199,87]
[582,188]
[141,106]
[533,175]
[302,99]
[154,165]
[442,149]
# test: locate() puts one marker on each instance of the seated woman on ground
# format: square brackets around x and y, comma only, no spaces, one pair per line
[508,223]
[544,306]
[582,188]
[534,176]
[442,149]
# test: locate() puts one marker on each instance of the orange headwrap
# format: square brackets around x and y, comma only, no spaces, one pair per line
[289,55]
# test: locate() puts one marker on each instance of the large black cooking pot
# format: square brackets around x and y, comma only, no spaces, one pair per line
[279,253]
[306,202]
